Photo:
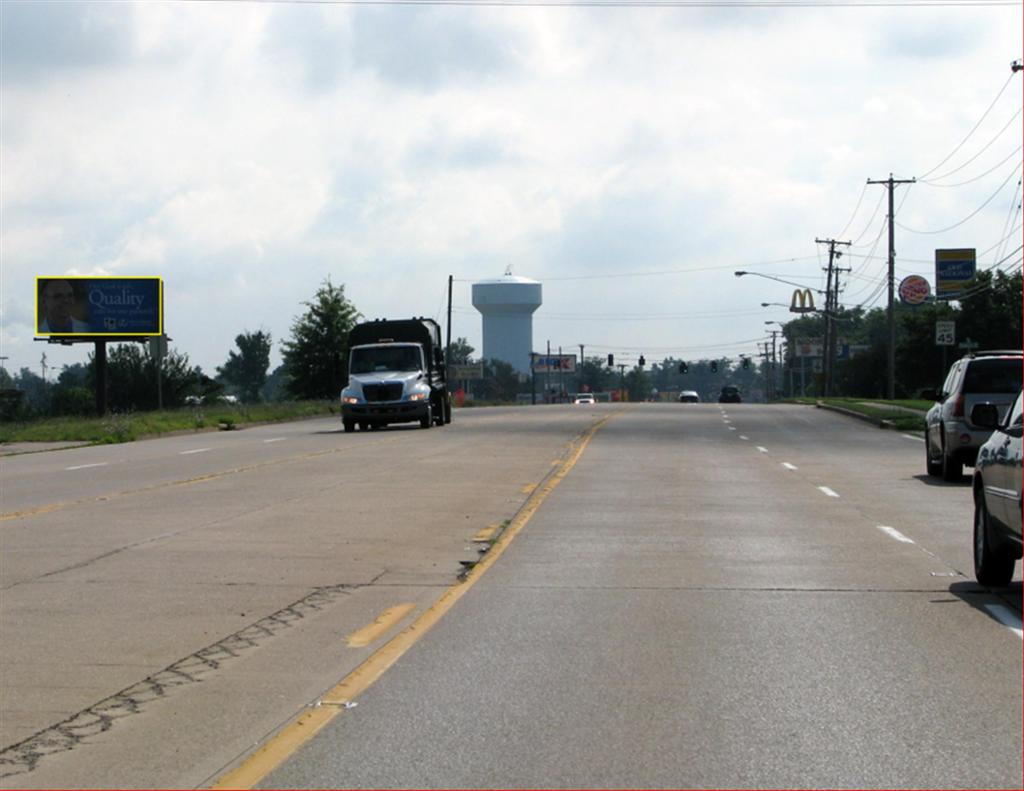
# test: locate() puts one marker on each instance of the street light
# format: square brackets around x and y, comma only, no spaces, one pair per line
[743,272]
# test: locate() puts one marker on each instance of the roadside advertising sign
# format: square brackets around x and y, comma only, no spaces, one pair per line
[552,363]
[953,268]
[914,290]
[945,333]
[69,306]
[466,371]
[810,347]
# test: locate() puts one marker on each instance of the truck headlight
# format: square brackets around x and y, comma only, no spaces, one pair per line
[349,400]
[417,396]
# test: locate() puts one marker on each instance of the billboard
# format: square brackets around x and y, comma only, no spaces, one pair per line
[553,363]
[68,306]
[953,268]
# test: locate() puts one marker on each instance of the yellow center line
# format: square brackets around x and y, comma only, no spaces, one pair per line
[280,747]
[381,624]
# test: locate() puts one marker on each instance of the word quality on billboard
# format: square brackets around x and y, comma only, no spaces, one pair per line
[69,306]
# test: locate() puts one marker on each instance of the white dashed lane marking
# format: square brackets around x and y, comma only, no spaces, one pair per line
[826,490]
[744,437]
[894,533]
[762,449]
[275,439]
[87,466]
[197,450]
[1007,617]
[788,466]
[911,436]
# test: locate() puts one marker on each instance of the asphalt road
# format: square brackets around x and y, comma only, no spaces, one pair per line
[706,596]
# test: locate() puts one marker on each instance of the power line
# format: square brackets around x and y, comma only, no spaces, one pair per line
[977,178]
[974,128]
[981,151]
[972,214]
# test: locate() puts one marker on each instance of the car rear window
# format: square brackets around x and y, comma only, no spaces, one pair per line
[993,376]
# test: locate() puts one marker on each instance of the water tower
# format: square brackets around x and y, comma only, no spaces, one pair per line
[507,305]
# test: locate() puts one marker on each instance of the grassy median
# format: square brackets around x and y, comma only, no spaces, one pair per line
[904,414]
[129,426]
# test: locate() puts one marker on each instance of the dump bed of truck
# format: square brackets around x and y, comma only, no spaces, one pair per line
[425,331]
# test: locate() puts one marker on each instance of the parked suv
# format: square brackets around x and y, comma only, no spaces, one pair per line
[951,438]
[997,495]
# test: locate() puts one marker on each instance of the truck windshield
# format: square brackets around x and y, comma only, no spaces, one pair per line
[385,358]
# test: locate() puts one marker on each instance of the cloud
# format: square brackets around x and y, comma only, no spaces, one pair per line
[39,40]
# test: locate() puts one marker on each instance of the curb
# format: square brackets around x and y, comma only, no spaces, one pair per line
[874,421]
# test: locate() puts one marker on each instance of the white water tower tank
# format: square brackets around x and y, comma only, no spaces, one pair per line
[507,305]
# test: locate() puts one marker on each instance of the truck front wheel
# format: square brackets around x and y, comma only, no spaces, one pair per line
[349,426]
[428,418]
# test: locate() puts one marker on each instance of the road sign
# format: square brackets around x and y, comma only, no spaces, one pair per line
[945,333]
[968,345]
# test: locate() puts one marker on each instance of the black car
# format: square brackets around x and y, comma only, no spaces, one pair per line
[730,395]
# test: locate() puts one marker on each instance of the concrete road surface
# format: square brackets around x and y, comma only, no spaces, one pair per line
[691,595]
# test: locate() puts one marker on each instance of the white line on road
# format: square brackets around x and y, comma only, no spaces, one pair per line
[275,439]
[732,428]
[743,437]
[894,533]
[762,449]
[87,466]
[911,436]
[197,450]
[788,466]
[828,491]
[1007,618]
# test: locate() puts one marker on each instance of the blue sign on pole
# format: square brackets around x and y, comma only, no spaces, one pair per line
[81,307]
[953,268]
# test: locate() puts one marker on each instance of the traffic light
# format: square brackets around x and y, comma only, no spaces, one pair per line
[643,362]
[684,368]
[746,363]
[611,360]
[714,366]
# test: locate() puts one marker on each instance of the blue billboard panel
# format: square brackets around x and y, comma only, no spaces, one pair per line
[953,268]
[82,307]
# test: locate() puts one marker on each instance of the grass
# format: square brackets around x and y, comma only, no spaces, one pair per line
[129,426]
[880,409]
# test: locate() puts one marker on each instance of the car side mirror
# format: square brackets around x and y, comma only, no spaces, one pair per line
[985,415]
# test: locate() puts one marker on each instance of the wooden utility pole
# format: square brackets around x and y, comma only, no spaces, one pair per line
[831,306]
[891,367]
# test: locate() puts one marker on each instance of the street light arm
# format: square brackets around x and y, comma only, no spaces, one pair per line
[741,273]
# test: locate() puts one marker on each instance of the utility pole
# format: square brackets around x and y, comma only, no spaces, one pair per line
[891,372]
[448,344]
[622,385]
[581,369]
[831,306]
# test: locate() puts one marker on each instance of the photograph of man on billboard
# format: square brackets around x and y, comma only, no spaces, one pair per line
[62,308]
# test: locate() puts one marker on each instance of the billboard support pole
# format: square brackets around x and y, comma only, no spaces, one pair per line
[101,378]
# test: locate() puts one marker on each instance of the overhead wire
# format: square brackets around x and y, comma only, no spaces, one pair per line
[972,214]
[974,128]
[979,177]
[980,152]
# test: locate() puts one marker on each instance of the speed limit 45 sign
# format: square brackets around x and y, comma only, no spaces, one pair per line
[945,333]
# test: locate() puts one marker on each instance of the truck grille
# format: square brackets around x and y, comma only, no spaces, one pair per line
[383,392]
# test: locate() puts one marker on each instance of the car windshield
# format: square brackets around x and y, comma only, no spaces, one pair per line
[993,376]
[375,359]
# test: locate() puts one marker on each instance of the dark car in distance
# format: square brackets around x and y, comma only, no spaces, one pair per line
[730,395]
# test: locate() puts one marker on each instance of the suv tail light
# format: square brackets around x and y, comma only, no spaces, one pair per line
[958,406]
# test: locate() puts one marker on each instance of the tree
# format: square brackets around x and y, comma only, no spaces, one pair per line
[316,356]
[461,352]
[501,382]
[247,370]
[132,382]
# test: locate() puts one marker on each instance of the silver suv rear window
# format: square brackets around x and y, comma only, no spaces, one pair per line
[993,376]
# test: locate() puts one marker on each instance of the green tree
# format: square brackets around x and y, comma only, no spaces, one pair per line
[246,371]
[461,351]
[500,382]
[132,380]
[316,356]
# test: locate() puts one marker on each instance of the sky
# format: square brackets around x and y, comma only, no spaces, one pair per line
[629,157]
